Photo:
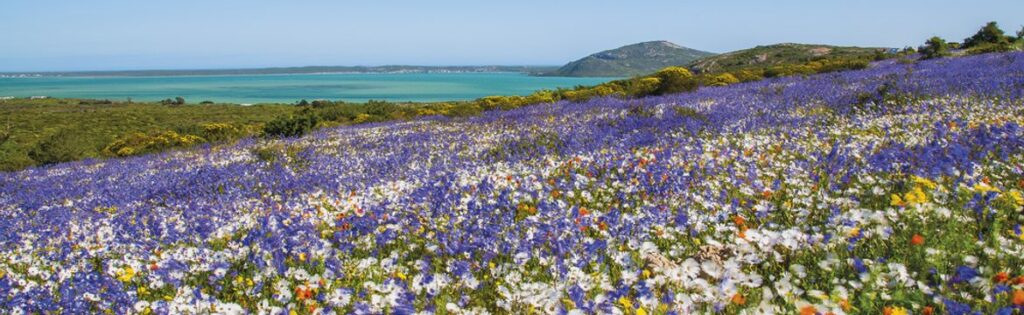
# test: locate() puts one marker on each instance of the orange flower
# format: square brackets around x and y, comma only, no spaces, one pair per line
[1018,280]
[928,310]
[738,299]
[584,212]
[1018,297]
[889,310]
[808,310]
[303,293]
[1001,277]
[739,220]
[917,240]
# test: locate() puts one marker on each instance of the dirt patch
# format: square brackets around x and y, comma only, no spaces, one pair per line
[820,51]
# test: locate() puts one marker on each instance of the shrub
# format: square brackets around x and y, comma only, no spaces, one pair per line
[292,126]
[985,48]
[988,34]
[675,80]
[57,148]
[217,132]
[723,80]
[141,143]
[379,108]
[935,47]
[643,86]
[5,133]
[748,75]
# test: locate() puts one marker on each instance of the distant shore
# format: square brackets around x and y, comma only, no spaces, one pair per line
[395,69]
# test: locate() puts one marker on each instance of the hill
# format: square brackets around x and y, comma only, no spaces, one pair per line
[786,53]
[631,60]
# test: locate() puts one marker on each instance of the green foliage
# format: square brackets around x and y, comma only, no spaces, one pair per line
[762,57]
[58,147]
[221,132]
[5,133]
[935,47]
[464,110]
[95,124]
[990,34]
[675,80]
[723,80]
[279,153]
[291,126]
[141,143]
[990,48]
[176,101]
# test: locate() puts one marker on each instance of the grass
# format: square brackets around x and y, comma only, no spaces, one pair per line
[96,124]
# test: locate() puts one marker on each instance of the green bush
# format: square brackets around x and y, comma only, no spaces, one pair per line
[935,47]
[675,80]
[291,126]
[990,34]
[723,80]
[990,48]
[220,132]
[141,143]
[57,148]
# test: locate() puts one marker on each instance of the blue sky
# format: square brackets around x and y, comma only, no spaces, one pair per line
[52,35]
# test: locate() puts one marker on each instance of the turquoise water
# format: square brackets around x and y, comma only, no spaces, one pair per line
[288,88]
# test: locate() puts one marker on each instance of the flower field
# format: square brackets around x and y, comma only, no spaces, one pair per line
[896,189]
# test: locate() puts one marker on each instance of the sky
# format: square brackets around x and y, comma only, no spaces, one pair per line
[72,35]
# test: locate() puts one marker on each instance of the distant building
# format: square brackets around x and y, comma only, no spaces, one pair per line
[38,97]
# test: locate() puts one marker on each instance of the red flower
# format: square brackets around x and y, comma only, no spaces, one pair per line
[1001,277]
[917,240]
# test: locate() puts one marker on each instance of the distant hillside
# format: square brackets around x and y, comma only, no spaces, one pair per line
[631,60]
[774,55]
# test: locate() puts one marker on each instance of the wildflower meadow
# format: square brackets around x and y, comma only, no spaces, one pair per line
[896,189]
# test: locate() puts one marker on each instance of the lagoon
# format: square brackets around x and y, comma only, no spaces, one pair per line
[289,88]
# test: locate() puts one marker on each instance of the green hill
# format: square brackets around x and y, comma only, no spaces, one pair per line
[631,60]
[787,53]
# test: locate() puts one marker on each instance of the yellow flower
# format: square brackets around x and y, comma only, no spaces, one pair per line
[401,275]
[896,200]
[927,183]
[647,273]
[626,303]
[985,188]
[894,310]
[915,196]
[641,311]
[126,274]
[1016,197]
[854,232]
